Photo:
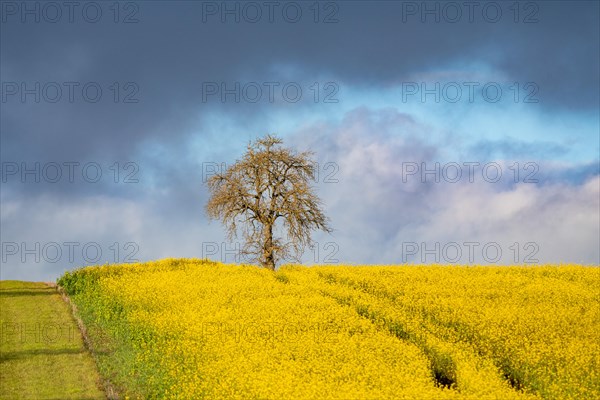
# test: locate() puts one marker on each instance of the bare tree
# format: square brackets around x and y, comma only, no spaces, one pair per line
[270,183]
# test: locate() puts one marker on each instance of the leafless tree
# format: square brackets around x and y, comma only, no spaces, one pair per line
[270,184]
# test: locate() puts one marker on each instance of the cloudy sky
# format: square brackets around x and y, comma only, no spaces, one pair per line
[456,132]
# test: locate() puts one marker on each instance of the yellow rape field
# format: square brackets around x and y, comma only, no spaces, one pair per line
[193,329]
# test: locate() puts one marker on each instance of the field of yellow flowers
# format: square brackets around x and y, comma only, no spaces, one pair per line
[193,329]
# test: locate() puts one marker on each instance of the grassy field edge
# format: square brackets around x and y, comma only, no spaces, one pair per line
[112,393]
[42,352]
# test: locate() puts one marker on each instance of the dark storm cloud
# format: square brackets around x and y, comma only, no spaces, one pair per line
[171,51]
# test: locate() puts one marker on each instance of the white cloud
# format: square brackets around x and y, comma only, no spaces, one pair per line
[375,212]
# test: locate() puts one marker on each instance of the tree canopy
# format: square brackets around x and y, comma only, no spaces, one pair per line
[270,184]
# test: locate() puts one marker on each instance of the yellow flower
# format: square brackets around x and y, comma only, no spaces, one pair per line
[189,329]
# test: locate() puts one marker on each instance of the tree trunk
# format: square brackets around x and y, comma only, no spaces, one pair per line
[268,256]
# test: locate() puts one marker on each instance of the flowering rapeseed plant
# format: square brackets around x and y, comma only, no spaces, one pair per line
[189,329]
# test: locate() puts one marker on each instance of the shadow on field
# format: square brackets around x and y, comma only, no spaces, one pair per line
[27,292]
[17,355]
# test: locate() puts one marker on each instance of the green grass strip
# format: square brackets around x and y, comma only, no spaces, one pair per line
[42,355]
